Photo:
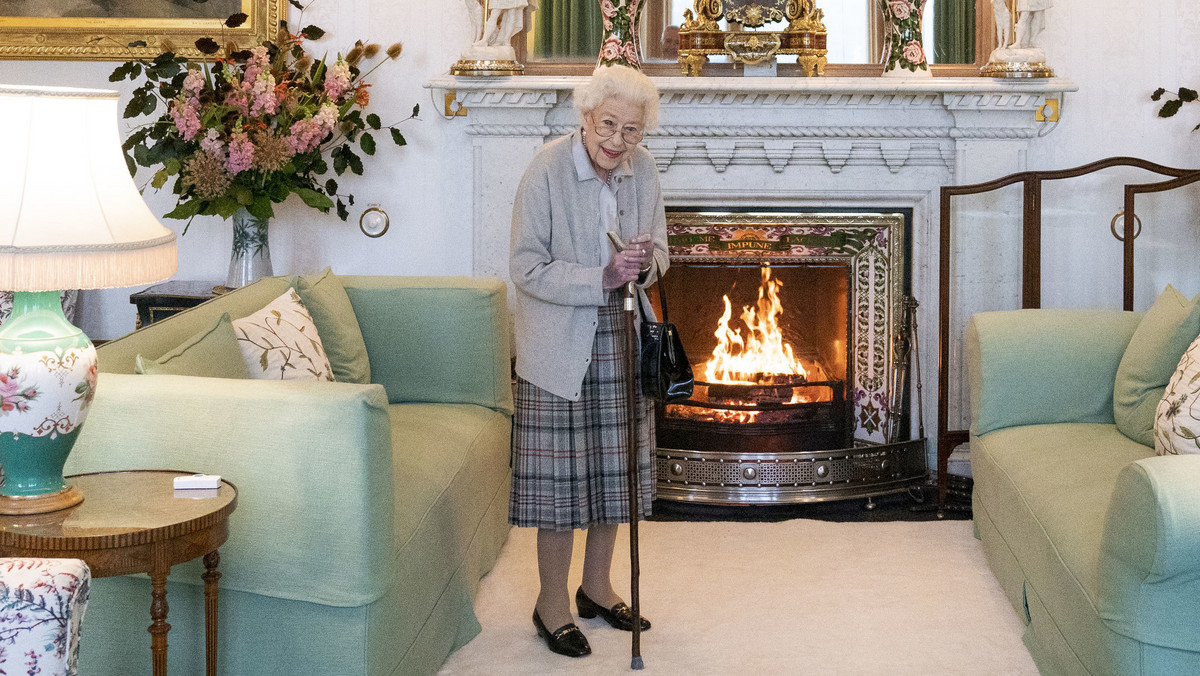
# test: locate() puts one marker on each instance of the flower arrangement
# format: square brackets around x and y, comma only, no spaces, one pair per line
[1172,105]
[251,127]
[904,49]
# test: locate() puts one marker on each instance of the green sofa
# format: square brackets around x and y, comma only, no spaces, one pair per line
[1094,539]
[366,513]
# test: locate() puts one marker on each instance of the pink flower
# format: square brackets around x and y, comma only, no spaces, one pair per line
[186,118]
[914,53]
[337,80]
[308,134]
[327,117]
[212,144]
[611,50]
[238,97]
[241,153]
[900,8]
[263,97]
[607,8]
[631,54]
[192,85]
[257,64]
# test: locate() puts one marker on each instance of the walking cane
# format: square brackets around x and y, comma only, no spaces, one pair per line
[631,366]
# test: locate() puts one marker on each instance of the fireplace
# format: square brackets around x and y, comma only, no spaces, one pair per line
[789,319]
[866,143]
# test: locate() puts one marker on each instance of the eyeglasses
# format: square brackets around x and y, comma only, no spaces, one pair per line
[607,128]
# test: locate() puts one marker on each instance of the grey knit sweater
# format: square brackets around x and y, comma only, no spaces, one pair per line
[555,257]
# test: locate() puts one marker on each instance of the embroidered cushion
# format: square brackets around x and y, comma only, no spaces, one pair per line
[1177,418]
[280,342]
[212,353]
[327,302]
[1153,352]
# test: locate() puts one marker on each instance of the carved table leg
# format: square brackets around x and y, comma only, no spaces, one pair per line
[158,617]
[211,575]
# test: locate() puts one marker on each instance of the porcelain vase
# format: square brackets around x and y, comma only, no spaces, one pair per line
[47,380]
[250,259]
[620,44]
[903,51]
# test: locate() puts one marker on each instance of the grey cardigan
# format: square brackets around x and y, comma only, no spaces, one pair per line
[555,258]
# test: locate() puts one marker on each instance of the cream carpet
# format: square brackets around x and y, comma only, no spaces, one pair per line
[794,597]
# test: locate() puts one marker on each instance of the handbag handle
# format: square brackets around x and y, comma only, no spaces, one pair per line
[662,297]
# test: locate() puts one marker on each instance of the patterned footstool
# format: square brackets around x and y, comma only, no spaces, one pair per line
[42,602]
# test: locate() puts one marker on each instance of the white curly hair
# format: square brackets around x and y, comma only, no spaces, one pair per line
[622,81]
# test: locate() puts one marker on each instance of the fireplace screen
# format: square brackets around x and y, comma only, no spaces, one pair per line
[789,321]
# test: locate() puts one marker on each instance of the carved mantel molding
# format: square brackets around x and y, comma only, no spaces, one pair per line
[897,122]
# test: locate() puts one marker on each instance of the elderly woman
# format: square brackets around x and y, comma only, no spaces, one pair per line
[569,449]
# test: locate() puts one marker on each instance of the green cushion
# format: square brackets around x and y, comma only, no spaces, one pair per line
[212,353]
[327,302]
[1030,367]
[1170,325]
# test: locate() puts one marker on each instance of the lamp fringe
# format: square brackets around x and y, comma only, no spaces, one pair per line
[100,268]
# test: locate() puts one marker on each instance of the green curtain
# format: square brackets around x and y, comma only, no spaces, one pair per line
[567,30]
[954,31]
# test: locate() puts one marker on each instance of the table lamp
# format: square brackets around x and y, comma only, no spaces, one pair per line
[70,218]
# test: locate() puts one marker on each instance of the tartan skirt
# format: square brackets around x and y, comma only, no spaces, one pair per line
[568,457]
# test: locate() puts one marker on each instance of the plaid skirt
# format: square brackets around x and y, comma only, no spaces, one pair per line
[568,457]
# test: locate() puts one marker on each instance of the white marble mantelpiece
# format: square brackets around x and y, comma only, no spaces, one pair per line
[779,142]
[838,136]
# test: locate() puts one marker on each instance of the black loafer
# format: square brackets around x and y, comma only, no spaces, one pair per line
[566,640]
[619,616]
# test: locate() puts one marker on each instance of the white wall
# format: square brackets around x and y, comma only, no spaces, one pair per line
[1118,53]
[1116,56]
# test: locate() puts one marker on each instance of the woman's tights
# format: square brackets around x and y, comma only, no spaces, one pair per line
[554,563]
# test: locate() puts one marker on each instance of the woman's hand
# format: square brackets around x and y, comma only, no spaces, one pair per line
[627,265]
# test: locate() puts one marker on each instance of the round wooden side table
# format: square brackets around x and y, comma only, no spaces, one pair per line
[135,522]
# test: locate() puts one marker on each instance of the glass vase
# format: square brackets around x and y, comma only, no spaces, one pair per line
[250,259]
[903,51]
[620,44]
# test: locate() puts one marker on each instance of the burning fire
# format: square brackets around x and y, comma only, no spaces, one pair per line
[761,355]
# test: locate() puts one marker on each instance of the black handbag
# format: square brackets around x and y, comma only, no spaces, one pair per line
[666,372]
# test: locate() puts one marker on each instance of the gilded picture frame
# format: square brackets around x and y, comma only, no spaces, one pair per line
[103,30]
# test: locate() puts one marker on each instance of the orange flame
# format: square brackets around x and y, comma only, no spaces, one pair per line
[762,352]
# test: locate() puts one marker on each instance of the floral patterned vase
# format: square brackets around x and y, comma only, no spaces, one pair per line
[620,45]
[903,53]
[251,256]
[47,381]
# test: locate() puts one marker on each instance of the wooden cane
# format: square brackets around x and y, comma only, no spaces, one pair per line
[631,367]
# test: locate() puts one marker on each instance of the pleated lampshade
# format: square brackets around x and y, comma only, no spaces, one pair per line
[70,214]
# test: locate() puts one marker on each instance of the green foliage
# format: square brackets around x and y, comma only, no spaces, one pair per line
[1172,105]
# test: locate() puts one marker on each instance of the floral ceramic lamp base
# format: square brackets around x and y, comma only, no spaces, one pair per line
[47,381]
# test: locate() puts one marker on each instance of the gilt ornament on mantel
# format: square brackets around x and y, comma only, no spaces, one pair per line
[701,35]
[1019,26]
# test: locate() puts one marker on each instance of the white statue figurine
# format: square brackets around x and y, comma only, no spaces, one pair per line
[505,18]
[1031,21]
[1003,23]
[1018,53]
